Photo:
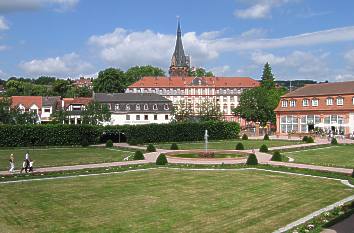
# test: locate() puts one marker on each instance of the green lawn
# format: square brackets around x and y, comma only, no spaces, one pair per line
[229,144]
[165,201]
[215,155]
[338,156]
[61,156]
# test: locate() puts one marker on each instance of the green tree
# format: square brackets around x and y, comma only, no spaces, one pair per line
[209,111]
[95,113]
[135,73]
[182,111]
[5,114]
[267,77]
[60,116]
[200,72]
[44,80]
[61,87]
[110,80]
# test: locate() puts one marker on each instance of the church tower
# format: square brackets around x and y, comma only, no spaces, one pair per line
[179,62]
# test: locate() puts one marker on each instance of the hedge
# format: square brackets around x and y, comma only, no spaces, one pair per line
[62,135]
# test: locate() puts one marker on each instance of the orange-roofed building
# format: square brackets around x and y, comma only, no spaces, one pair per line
[74,106]
[224,91]
[326,106]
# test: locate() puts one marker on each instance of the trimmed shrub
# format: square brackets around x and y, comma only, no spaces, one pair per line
[334,141]
[174,146]
[239,146]
[277,156]
[84,142]
[138,155]
[244,137]
[263,148]
[310,140]
[150,148]
[266,137]
[252,160]
[161,160]
[305,138]
[109,143]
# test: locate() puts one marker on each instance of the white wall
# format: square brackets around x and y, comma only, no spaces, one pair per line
[120,119]
[351,122]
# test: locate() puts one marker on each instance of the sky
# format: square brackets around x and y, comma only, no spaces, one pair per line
[301,39]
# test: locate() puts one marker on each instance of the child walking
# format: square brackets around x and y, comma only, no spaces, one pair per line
[12,163]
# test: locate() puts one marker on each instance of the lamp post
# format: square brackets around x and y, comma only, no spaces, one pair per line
[206,140]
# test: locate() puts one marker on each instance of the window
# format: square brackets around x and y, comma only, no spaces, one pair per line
[329,101]
[353,100]
[225,99]
[284,103]
[146,117]
[340,101]
[232,98]
[305,102]
[146,107]
[138,107]
[127,117]
[137,117]
[166,117]
[116,107]
[292,103]
[127,107]
[225,108]
[289,124]
[154,107]
[155,117]
[47,110]
[314,102]
[166,107]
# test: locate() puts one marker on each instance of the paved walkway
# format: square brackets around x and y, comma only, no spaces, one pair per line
[345,226]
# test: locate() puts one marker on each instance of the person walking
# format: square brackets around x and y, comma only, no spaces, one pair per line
[24,166]
[12,163]
[28,160]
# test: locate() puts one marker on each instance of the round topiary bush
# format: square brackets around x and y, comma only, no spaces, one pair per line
[310,140]
[138,155]
[266,137]
[263,148]
[84,142]
[174,146]
[109,143]
[244,137]
[239,146]
[252,160]
[277,156]
[161,160]
[150,148]
[334,141]
[305,138]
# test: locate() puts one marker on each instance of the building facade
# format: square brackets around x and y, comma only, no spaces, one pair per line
[136,108]
[326,106]
[193,91]
[74,107]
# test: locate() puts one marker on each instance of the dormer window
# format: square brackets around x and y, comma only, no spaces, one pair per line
[166,107]
[314,102]
[292,103]
[284,103]
[155,107]
[116,107]
[329,101]
[340,101]
[127,107]
[305,102]
[146,107]
[138,107]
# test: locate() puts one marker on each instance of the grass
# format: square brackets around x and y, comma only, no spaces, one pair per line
[165,201]
[47,157]
[334,156]
[229,144]
[216,155]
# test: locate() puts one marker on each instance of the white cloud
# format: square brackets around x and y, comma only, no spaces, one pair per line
[221,70]
[3,47]
[67,65]
[262,58]
[28,5]
[349,57]
[3,24]
[259,9]
[344,77]
[254,33]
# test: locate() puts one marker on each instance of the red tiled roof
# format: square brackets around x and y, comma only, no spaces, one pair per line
[79,100]
[322,89]
[186,81]
[26,101]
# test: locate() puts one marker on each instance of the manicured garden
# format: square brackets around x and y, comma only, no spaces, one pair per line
[166,201]
[333,156]
[230,144]
[47,157]
[215,155]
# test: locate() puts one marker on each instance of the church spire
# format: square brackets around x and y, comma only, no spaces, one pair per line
[179,62]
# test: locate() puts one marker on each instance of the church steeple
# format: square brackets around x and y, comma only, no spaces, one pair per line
[179,62]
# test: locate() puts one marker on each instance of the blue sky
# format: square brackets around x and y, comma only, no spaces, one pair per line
[301,39]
